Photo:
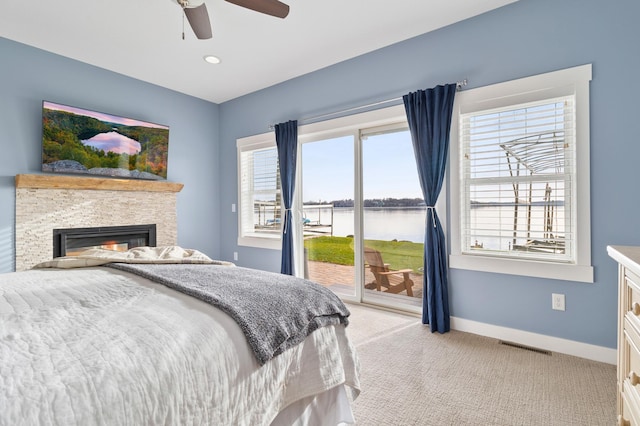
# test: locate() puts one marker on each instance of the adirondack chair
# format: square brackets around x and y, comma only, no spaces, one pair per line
[388,280]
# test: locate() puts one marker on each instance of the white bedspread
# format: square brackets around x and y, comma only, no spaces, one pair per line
[100,346]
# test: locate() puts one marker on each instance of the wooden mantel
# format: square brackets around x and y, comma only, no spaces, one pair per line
[95,183]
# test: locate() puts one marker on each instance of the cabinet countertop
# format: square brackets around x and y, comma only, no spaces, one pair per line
[628,256]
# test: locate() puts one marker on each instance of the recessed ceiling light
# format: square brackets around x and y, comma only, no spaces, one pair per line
[212,59]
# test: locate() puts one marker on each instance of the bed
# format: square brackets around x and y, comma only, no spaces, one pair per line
[132,338]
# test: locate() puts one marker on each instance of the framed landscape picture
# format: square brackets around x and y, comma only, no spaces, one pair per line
[76,140]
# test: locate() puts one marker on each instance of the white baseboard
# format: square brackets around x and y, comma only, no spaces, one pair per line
[549,343]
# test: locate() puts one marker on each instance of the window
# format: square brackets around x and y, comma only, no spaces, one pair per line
[259,193]
[520,163]
[517,169]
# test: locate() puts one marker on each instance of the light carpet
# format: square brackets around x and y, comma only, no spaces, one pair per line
[411,376]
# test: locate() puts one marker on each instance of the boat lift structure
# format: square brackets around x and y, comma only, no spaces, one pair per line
[536,154]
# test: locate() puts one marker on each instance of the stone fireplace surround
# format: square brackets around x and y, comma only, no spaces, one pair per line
[48,202]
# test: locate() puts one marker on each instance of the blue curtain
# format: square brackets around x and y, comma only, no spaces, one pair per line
[287,143]
[429,116]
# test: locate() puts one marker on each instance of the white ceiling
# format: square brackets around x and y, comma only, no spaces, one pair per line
[143,38]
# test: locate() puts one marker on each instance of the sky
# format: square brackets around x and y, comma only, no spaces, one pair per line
[389,168]
[101,116]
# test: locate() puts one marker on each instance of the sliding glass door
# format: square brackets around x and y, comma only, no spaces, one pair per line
[361,215]
[393,218]
[328,226]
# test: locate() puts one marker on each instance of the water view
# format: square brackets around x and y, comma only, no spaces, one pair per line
[402,224]
[114,142]
[407,224]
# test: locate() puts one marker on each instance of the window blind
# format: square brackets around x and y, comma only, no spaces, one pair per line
[260,191]
[518,174]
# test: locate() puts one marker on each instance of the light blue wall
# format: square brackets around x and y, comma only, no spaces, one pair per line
[29,75]
[522,39]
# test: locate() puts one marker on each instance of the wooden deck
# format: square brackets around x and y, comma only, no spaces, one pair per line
[330,274]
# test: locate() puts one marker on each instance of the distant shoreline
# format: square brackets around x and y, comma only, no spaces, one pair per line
[473,205]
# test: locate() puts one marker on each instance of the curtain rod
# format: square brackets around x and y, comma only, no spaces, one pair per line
[459,86]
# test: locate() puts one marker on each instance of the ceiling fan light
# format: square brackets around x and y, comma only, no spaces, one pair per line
[212,59]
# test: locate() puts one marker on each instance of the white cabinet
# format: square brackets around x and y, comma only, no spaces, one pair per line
[628,259]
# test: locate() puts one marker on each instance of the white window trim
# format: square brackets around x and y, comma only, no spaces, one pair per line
[250,143]
[571,81]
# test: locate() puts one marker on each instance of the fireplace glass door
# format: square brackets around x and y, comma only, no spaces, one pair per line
[71,241]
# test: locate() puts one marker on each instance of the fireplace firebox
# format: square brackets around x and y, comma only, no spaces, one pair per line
[70,241]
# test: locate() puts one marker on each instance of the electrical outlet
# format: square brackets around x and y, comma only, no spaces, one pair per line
[235,255]
[233,208]
[557,301]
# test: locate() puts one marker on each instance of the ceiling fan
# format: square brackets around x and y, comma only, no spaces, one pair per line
[198,16]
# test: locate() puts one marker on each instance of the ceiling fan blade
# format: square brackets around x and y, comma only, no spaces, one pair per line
[198,18]
[270,7]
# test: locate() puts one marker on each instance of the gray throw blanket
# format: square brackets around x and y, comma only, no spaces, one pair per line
[274,311]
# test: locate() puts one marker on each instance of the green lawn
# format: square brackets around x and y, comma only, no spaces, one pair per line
[339,250]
